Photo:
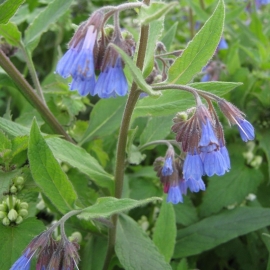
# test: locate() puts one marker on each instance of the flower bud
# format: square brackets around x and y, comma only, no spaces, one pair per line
[24,205]
[3,207]
[23,212]
[76,236]
[13,189]
[2,214]
[19,220]
[19,187]
[19,180]
[5,221]
[12,215]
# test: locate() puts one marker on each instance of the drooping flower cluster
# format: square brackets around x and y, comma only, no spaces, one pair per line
[50,254]
[202,140]
[88,52]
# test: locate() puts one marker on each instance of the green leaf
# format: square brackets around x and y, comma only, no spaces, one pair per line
[6,181]
[155,11]
[215,230]
[48,174]
[105,118]
[199,50]
[237,184]
[155,31]
[169,35]
[157,128]
[107,206]
[5,142]
[134,248]
[78,158]
[48,16]
[173,101]
[136,73]
[12,128]
[165,231]
[8,9]
[11,33]
[15,239]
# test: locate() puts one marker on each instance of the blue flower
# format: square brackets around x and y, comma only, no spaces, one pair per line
[259,3]
[167,169]
[208,137]
[193,167]
[23,263]
[224,152]
[246,130]
[174,194]
[195,185]
[112,80]
[206,78]
[84,87]
[223,45]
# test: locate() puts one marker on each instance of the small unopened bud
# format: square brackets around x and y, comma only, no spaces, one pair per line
[13,189]
[23,212]
[19,220]
[3,207]
[75,237]
[19,180]
[256,162]
[12,215]
[2,214]
[5,221]
[19,187]
[24,205]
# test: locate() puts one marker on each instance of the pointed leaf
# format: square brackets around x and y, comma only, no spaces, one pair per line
[8,9]
[200,50]
[215,230]
[107,206]
[11,33]
[48,174]
[134,248]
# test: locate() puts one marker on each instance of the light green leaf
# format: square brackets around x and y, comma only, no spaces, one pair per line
[237,184]
[155,11]
[105,118]
[134,248]
[155,31]
[157,128]
[165,231]
[8,9]
[136,73]
[200,50]
[78,158]
[48,174]
[215,230]
[11,33]
[173,101]
[15,239]
[12,128]
[50,15]
[169,35]
[5,142]
[107,206]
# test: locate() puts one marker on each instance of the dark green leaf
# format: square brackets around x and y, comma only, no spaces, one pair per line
[165,231]
[134,248]
[8,9]
[48,174]
[108,206]
[200,50]
[215,230]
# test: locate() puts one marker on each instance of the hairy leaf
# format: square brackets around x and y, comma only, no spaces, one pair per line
[8,9]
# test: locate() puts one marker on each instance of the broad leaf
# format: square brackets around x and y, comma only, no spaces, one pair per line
[105,118]
[134,248]
[15,239]
[11,33]
[215,230]
[173,101]
[231,188]
[108,206]
[200,50]
[165,231]
[50,15]
[8,9]
[48,174]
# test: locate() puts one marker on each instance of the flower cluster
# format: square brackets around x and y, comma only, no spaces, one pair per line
[88,52]
[50,254]
[202,140]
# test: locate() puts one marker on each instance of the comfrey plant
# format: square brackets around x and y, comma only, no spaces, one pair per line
[140,95]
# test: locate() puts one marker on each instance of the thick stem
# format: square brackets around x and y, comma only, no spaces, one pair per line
[29,93]
[122,140]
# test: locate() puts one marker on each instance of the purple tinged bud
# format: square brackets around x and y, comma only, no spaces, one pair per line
[174,195]
[167,168]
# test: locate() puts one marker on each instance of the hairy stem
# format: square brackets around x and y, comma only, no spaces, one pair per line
[29,93]
[122,140]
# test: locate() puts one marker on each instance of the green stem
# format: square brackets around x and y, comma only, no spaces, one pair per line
[191,23]
[29,93]
[167,142]
[122,140]
[33,73]
[202,4]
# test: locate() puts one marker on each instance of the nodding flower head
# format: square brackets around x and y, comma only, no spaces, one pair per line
[79,60]
[167,168]
[236,117]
